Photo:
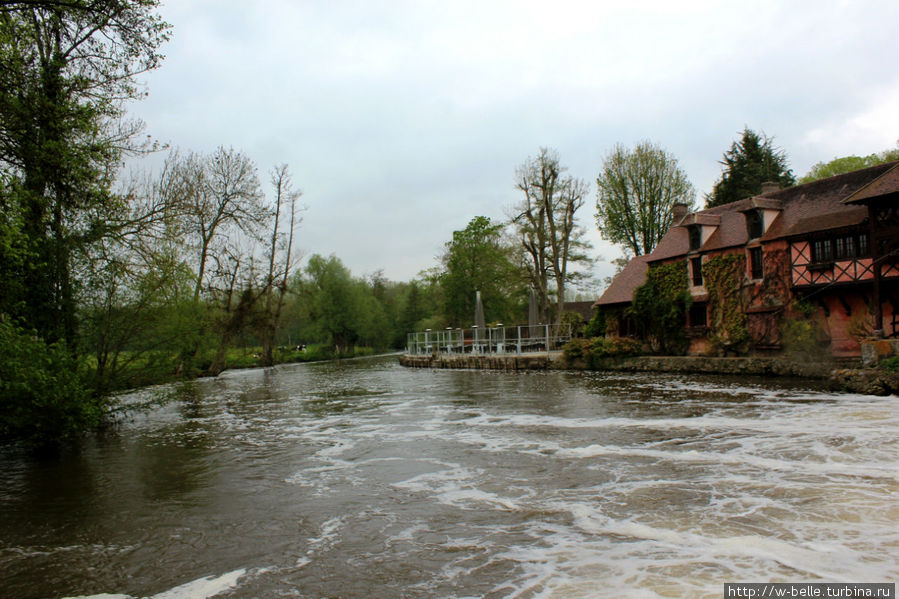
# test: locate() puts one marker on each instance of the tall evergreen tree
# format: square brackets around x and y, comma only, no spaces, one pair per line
[750,162]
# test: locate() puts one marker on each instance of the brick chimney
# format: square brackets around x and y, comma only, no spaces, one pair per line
[770,186]
[678,212]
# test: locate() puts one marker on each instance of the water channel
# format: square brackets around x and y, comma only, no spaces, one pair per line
[365,479]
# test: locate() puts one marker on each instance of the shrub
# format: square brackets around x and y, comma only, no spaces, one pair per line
[576,349]
[594,352]
[43,390]
[890,364]
[597,325]
[614,347]
[802,335]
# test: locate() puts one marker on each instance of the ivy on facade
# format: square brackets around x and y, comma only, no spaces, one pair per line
[723,277]
[659,308]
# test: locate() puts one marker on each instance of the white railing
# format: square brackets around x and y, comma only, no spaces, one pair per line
[491,340]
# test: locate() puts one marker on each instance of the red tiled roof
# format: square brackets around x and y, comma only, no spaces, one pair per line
[621,291]
[883,185]
[854,215]
[814,206]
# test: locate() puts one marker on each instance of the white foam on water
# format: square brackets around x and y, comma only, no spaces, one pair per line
[773,423]
[329,533]
[457,487]
[202,588]
[736,459]
[768,485]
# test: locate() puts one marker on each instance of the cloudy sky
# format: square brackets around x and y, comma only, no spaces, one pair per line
[403,119]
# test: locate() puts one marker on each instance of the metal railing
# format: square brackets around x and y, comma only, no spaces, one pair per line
[490,340]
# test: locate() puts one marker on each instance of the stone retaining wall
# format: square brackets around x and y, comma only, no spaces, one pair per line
[857,380]
[479,362]
[705,365]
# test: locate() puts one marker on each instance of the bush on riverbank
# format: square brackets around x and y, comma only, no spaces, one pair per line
[46,394]
[593,353]
[44,390]
[251,357]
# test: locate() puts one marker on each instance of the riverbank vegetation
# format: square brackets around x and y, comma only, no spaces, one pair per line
[112,278]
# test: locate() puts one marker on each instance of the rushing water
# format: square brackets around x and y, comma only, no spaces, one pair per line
[364,479]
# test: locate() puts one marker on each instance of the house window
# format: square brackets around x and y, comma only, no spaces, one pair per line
[756,264]
[695,236]
[862,245]
[696,267]
[754,224]
[822,251]
[849,247]
[846,247]
[697,315]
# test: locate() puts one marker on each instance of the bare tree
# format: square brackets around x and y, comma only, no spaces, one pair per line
[236,287]
[547,227]
[220,194]
[278,269]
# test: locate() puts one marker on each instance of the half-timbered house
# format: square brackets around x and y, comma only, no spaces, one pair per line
[831,246]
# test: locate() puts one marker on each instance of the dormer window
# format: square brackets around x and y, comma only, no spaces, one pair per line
[755,224]
[695,232]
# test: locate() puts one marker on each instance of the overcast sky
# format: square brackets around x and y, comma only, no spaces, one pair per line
[402,120]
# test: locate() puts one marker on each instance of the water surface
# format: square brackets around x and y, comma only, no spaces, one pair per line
[364,479]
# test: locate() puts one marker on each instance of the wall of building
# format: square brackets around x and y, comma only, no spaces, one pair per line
[846,327]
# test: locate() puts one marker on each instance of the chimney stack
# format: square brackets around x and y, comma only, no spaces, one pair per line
[770,186]
[678,212]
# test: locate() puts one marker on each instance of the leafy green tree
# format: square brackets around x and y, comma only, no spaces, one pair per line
[845,164]
[332,301]
[412,309]
[635,193]
[477,259]
[66,73]
[750,162]
[596,327]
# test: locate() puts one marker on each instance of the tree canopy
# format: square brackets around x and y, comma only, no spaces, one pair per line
[67,71]
[845,164]
[477,259]
[747,164]
[635,193]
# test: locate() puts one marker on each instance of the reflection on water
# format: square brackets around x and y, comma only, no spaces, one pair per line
[363,479]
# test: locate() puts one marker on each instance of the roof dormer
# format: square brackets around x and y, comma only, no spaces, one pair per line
[760,213]
[700,227]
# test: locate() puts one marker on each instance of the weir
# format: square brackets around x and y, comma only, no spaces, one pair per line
[497,340]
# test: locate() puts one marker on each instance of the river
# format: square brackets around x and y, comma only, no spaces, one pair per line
[364,479]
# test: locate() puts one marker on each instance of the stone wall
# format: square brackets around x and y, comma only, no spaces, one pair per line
[479,362]
[875,351]
[705,365]
[856,380]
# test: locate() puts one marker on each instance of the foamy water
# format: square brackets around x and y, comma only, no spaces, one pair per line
[367,480]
